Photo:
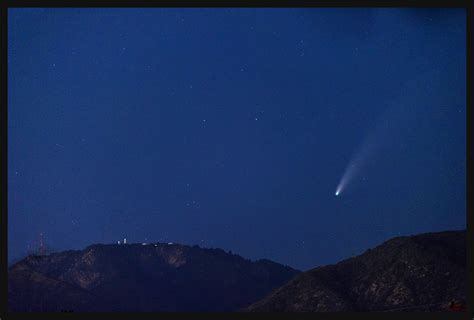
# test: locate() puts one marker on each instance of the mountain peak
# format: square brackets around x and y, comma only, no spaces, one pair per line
[137,277]
[420,272]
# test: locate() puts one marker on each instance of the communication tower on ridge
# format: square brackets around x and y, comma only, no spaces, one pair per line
[41,248]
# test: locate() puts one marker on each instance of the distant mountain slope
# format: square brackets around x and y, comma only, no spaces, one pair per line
[417,273]
[133,277]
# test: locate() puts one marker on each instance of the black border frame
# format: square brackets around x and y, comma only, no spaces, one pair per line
[5,5]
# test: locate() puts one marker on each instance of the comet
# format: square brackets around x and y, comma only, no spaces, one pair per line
[379,136]
[355,166]
[396,119]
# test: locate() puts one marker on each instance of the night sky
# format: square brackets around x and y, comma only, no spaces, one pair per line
[232,128]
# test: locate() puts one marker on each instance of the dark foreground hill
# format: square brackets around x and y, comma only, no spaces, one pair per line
[425,272]
[135,277]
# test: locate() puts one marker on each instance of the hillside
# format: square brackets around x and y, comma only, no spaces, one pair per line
[416,273]
[134,277]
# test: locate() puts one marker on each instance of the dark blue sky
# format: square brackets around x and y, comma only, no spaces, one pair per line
[231,128]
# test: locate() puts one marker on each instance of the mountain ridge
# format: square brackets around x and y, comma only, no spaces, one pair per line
[136,277]
[423,272]
[426,270]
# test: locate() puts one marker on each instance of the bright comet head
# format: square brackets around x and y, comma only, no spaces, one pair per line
[337,193]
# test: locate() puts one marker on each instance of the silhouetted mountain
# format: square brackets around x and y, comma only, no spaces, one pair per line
[418,273]
[135,277]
